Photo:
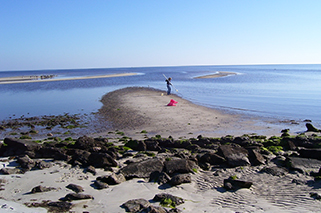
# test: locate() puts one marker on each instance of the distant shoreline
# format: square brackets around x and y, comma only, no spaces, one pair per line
[33,79]
[217,75]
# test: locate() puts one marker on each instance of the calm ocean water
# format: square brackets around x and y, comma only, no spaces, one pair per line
[272,91]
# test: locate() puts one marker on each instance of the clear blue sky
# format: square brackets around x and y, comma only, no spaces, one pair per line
[58,34]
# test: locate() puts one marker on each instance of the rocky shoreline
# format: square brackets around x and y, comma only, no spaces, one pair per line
[128,165]
[225,164]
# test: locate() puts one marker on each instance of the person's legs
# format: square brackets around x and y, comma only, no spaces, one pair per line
[168,89]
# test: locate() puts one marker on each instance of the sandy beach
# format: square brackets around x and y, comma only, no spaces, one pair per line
[219,74]
[33,79]
[137,110]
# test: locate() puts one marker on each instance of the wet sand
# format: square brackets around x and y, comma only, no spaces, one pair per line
[33,79]
[217,75]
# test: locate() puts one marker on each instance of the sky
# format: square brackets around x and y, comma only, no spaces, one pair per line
[71,34]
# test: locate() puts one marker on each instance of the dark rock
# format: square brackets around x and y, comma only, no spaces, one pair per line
[303,164]
[80,156]
[159,177]
[135,205]
[112,179]
[152,145]
[235,155]
[311,128]
[154,209]
[136,145]
[40,164]
[75,188]
[255,157]
[100,185]
[142,169]
[180,179]
[53,152]
[179,166]
[18,147]
[91,169]
[85,143]
[6,171]
[26,162]
[59,206]
[76,196]
[40,188]
[274,170]
[175,201]
[212,158]
[310,153]
[231,184]
[101,160]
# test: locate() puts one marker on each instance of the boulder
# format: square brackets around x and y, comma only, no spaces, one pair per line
[40,188]
[85,143]
[174,200]
[91,170]
[101,160]
[112,179]
[75,188]
[159,177]
[255,157]
[180,179]
[212,158]
[235,155]
[6,171]
[179,166]
[18,147]
[311,128]
[310,153]
[76,196]
[142,169]
[79,156]
[303,165]
[135,205]
[40,164]
[100,185]
[26,162]
[231,184]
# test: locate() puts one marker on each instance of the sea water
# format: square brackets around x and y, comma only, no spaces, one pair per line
[272,91]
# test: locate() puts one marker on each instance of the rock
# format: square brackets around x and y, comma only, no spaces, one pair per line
[6,171]
[212,158]
[18,147]
[255,157]
[179,166]
[274,170]
[52,152]
[40,164]
[85,143]
[80,156]
[174,200]
[75,188]
[311,128]
[112,179]
[100,185]
[59,206]
[231,184]
[91,169]
[303,165]
[40,188]
[179,179]
[76,196]
[310,153]
[154,209]
[135,205]
[136,145]
[26,162]
[235,155]
[101,160]
[159,177]
[142,169]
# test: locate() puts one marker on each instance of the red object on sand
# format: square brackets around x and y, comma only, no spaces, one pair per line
[172,103]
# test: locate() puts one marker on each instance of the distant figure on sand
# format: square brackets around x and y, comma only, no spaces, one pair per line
[169,84]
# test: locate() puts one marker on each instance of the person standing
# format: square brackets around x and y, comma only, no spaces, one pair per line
[169,84]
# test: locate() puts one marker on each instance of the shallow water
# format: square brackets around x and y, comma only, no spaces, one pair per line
[277,91]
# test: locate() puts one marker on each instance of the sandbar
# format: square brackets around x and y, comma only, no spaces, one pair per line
[217,75]
[135,109]
[33,79]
